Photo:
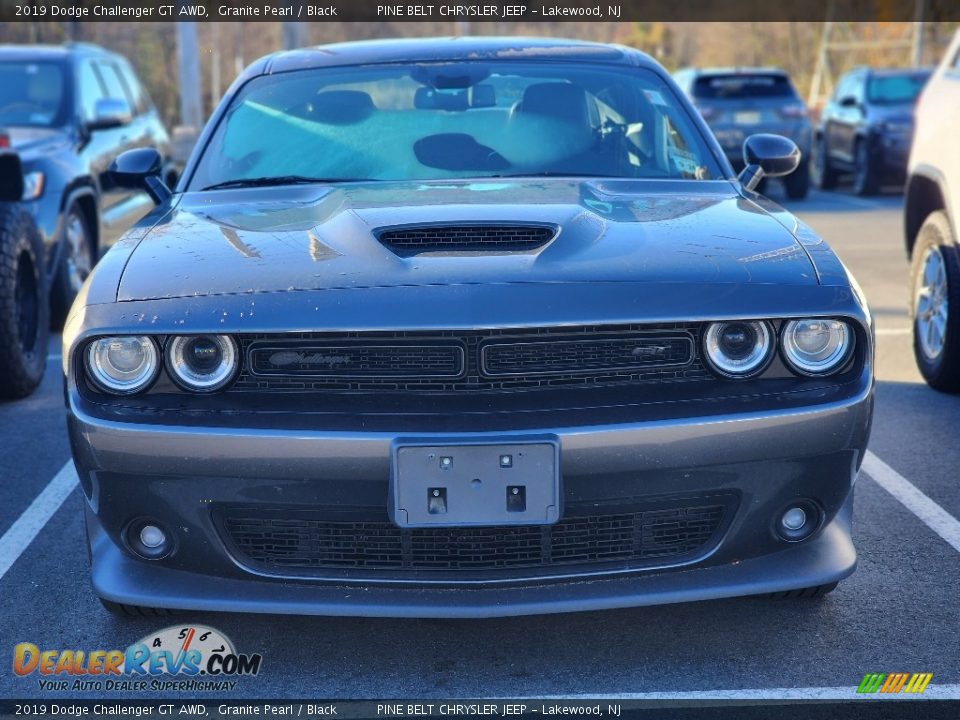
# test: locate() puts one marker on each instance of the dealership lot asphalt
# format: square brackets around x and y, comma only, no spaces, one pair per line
[898,613]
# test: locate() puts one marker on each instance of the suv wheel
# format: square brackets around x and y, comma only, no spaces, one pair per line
[865,180]
[76,262]
[935,273]
[797,183]
[824,175]
[24,309]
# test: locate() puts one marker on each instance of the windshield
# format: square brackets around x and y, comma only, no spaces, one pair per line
[31,93]
[455,120]
[743,85]
[896,89]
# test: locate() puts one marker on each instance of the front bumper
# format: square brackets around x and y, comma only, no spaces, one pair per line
[182,475]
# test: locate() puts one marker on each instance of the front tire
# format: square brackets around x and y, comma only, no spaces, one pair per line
[24,308]
[935,306]
[817,591]
[134,611]
[76,262]
[865,180]
[824,175]
[797,183]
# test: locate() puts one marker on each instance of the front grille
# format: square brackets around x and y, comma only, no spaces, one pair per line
[281,542]
[356,360]
[470,238]
[600,353]
[471,361]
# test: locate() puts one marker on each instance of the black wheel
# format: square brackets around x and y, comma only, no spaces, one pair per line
[797,183]
[24,308]
[76,262]
[131,611]
[824,175]
[935,305]
[866,179]
[803,593]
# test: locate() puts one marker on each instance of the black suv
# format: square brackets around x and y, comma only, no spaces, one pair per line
[68,111]
[866,128]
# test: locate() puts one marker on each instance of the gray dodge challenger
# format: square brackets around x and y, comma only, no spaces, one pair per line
[465,328]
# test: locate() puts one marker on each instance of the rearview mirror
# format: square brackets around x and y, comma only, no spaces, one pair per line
[767,155]
[110,113]
[140,169]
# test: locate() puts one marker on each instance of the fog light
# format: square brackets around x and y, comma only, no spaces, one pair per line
[148,539]
[153,537]
[798,521]
[793,519]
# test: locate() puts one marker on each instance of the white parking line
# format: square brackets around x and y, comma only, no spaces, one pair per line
[932,515]
[895,331]
[849,692]
[31,522]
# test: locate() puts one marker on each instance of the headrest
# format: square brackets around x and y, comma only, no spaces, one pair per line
[342,107]
[563,101]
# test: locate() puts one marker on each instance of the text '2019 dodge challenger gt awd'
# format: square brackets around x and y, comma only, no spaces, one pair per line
[465,328]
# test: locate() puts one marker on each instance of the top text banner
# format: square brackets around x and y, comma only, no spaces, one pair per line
[515,11]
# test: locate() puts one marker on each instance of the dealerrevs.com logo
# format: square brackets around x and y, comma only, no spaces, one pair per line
[180,657]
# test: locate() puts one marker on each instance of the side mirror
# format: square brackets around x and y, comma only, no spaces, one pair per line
[767,156]
[848,101]
[110,113]
[140,169]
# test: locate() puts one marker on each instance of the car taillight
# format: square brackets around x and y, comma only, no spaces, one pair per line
[4,140]
[794,111]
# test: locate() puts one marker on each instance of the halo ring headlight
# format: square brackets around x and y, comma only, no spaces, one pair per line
[202,363]
[739,348]
[123,364]
[816,346]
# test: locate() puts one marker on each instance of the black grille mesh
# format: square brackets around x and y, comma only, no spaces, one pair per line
[473,380]
[471,238]
[298,540]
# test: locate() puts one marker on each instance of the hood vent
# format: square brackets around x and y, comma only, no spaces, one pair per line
[466,238]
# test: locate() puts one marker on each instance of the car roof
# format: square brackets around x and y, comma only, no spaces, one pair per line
[449,49]
[740,70]
[50,52]
[885,72]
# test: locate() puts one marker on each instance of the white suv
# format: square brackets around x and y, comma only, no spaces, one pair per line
[932,219]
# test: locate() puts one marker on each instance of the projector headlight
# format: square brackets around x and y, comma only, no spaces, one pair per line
[123,365]
[740,348]
[202,363]
[816,346]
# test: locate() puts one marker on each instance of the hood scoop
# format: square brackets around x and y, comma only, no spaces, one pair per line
[477,237]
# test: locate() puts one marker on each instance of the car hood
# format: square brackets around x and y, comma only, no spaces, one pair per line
[325,237]
[30,140]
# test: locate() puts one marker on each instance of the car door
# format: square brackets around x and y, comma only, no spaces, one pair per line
[126,206]
[844,117]
[98,146]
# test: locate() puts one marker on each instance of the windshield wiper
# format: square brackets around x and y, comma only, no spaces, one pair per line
[277,180]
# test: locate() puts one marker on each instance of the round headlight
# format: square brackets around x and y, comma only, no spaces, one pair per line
[124,364]
[816,346]
[739,348]
[202,363]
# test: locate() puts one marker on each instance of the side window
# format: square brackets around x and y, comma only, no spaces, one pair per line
[112,82]
[140,102]
[91,90]
[844,88]
[859,87]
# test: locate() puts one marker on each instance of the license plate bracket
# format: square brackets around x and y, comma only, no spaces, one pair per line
[475,483]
